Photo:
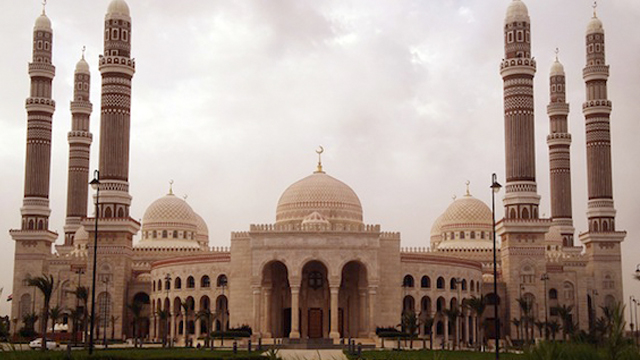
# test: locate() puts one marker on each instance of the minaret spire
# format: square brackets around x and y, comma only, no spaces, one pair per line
[79,150]
[518,69]
[559,142]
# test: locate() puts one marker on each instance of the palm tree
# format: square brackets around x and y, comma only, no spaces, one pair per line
[46,285]
[411,324]
[553,327]
[206,316]
[540,325]
[477,305]
[113,320]
[82,295]
[29,321]
[55,313]
[428,324]
[453,314]
[185,307]
[163,318]
[77,317]
[136,311]
[564,312]
[516,322]
[525,307]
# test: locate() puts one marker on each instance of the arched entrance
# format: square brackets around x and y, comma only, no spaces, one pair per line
[142,325]
[276,317]
[314,301]
[353,301]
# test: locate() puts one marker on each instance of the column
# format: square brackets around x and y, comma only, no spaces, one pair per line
[335,333]
[372,310]
[445,336]
[266,319]
[173,328]
[465,335]
[362,315]
[153,333]
[197,324]
[256,310]
[295,312]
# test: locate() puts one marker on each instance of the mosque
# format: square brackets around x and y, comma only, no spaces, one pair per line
[319,271]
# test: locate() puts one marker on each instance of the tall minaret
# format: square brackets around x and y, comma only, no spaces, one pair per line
[602,241]
[517,69]
[79,149]
[34,239]
[116,228]
[559,141]
[522,232]
[117,69]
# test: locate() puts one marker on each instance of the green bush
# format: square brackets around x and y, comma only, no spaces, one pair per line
[393,334]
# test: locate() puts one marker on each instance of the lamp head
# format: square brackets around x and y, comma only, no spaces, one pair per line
[96,180]
[495,185]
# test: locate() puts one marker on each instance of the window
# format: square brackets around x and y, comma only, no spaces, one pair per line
[175,234]
[473,234]
[104,306]
[407,281]
[510,37]
[125,35]
[440,283]
[608,282]
[464,284]
[164,234]
[453,284]
[472,285]
[425,282]
[527,275]
[115,34]
[167,284]
[178,283]
[568,291]
[481,234]
[159,285]
[492,299]
[191,282]
[205,282]
[155,234]
[553,294]
[519,35]
[222,280]
[461,234]
[315,280]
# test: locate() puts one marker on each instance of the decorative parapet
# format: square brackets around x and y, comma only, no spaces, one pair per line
[299,227]
[406,250]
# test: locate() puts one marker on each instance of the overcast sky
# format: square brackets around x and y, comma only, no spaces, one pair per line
[231,98]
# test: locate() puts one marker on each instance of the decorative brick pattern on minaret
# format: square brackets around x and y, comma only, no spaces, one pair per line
[79,150]
[117,69]
[518,69]
[596,110]
[559,142]
[40,107]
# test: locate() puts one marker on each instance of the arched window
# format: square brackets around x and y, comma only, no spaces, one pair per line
[512,213]
[154,286]
[175,234]
[440,304]
[191,282]
[440,283]
[453,284]
[439,328]
[525,213]
[472,235]
[407,281]
[222,281]
[205,282]
[121,213]
[178,283]
[159,285]
[164,234]
[408,304]
[425,305]
[107,212]
[155,234]
[553,294]
[425,282]
[472,285]
[461,234]
[167,284]
[567,289]
[527,274]
[464,284]
[608,282]
[104,308]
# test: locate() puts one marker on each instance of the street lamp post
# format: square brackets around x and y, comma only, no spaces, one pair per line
[95,184]
[635,306]
[495,187]
[545,278]
[636,318]
[106,294]
[167,285]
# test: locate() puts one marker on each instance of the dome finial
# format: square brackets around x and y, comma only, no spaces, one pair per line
[454,197]
[44,4]
[83,50]
[557,51]
[319,151]
[595,6]
[468,183]
[170,187]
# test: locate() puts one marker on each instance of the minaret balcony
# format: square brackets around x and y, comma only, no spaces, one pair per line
[559,139]
[37,69]
[40,104]
[518,66]
[79,137]
[554,109]
[596,107]
[83,107]
[595,72]
[120,64]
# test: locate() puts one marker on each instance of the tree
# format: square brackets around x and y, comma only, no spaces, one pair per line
[526,307]
[82,295]
[453,314]
[136,311]
[46,285]
[206,315]
[564,312]
[428,321]
[55,313]
[185,307]
[477,305]
[516,322]
[113,320]
[553,327]
[77,317]
[411,324]
[28,330]
[540,325]
[163,318]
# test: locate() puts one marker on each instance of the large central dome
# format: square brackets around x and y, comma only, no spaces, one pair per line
[320,193]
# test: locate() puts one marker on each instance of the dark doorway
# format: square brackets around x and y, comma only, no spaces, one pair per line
[315,323]
[286,322]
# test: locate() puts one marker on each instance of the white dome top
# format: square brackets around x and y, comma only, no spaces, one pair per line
[595,26]
[201,225]
[80,243]
[467,212]
[321,193]
[118,7]
[556,69]
[170,209]
[42,23]
[82,66]
[553,235]
[517,12]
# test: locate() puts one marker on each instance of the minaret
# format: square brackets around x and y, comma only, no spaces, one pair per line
[602,241]
[517,69]
[559,141]
[521,231]
[34,239]
[116,228]
[79,149]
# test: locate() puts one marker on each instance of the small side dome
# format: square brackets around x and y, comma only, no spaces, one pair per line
[202,233]
[169,219]
[81,236]
[436,232]
[82,66]
[517,12]
[595,26]
[42,23]
[553,235]
[556,69]
[118,7]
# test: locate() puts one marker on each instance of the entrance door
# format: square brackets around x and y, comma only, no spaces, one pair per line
[286,322]
[315,323]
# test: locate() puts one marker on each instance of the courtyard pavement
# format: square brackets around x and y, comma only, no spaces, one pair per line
[298,354]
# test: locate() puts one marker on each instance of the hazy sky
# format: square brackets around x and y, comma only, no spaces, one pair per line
[231,98]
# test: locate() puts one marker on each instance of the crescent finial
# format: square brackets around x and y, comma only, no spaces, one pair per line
[319,151]
[468,183]
[170,187]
